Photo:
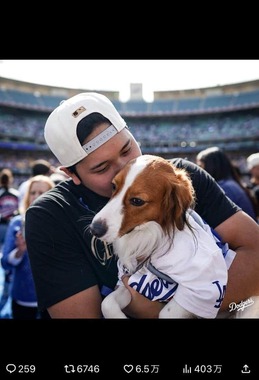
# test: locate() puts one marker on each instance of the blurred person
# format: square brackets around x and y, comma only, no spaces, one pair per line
[8,208]
[58,176]
[6,290]
[15,256]
[253,184]
[216,162]
[8,201]
[73,270]
[253,167]
[37,167]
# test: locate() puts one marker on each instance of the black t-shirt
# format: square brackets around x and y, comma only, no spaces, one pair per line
[66,258]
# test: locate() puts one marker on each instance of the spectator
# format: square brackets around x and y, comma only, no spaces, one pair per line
[15,256]
[8,208]
[253,168]
[58,176]
[38,167]
[8,201]
[216,162]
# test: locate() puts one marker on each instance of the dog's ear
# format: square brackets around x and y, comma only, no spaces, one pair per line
[178,197]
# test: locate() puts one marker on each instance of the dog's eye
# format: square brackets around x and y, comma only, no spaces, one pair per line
[137,202]
[113,187]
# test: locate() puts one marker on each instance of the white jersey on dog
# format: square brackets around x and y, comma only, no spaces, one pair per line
[197,267]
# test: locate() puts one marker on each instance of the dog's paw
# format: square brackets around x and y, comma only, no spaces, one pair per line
[115,315]
[111,311]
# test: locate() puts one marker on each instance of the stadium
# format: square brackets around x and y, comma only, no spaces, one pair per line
[176,124]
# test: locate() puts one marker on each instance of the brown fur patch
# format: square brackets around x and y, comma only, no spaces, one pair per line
[165,191]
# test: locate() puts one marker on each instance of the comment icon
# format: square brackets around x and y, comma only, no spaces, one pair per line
[10,368]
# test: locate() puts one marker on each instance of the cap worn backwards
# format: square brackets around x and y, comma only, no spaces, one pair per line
[252,160]
[61,126]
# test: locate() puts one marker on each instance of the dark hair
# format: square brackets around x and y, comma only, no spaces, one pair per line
[88,124]
[85,127]
[217,163]
[219,166]
[6,178]
[40,167]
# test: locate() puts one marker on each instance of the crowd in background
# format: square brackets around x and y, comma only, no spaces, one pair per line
[152,130]
[21,131]
[18,291]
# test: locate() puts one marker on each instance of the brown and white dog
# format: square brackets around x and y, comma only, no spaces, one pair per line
[149,220]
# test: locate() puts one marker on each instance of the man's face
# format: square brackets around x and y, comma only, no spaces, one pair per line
[98,169]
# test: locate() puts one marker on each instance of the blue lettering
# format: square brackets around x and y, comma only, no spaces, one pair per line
[155,288]
[138,284]
[222,291]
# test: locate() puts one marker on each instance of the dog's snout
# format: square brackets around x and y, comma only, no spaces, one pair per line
[98,228]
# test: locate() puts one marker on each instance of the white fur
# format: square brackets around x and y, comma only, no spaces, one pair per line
[142,242]
[114,207]
[115,302]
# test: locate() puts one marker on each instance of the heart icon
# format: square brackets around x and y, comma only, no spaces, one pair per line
[128,368]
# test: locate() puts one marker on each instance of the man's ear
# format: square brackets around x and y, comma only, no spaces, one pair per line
[70,174]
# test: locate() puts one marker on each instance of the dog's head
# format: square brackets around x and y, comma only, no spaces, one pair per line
[148,188]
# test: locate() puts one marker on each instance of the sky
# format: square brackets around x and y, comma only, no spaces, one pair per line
[117,75]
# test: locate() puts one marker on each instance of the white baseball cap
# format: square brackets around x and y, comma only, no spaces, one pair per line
[61,126]
[252,160]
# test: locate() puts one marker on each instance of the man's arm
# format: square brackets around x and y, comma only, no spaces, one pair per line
[242,234]
[140,306]
[85,304]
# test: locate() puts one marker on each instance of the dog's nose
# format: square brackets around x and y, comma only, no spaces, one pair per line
[98,228]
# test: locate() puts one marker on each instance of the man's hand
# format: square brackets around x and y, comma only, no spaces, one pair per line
[140,306]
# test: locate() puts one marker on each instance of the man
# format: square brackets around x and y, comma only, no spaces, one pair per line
[253,184]
[72,269]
